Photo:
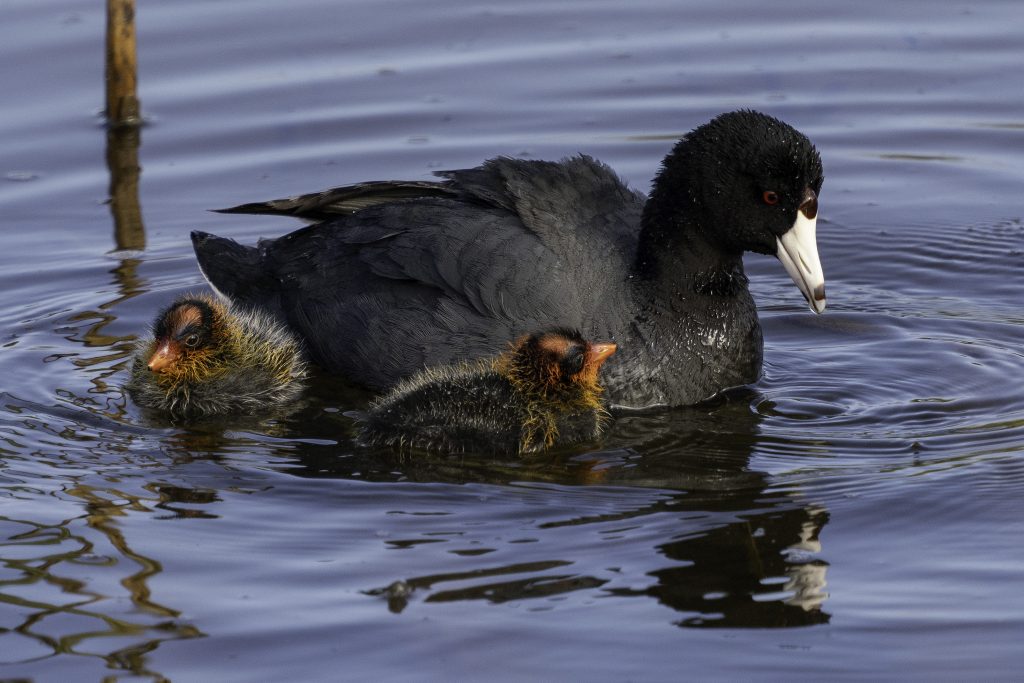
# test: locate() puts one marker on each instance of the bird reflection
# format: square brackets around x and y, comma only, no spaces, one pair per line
[743,574]
[739,554]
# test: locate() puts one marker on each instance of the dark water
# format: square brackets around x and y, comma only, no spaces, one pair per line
[856,514]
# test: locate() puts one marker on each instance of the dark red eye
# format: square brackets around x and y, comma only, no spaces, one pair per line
[770,198]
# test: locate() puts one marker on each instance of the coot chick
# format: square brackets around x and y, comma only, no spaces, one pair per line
[206,358]
[399,275]
[543,392]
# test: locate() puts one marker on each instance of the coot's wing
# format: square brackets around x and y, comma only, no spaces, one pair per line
[507,248]
[577,205]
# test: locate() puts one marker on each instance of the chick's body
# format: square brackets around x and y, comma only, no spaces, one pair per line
[207,358]
[542,393]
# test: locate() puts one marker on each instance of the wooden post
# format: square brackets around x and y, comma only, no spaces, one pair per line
[122,102]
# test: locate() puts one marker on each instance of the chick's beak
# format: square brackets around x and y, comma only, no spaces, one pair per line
[164,357]
[599,353]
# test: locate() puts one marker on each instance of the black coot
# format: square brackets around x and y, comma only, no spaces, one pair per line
[398,275]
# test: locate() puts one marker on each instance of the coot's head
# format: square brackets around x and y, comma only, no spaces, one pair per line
[556,360]
[185,335]
[745,181]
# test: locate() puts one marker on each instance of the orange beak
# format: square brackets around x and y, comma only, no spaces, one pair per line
[164,357]
[599,353]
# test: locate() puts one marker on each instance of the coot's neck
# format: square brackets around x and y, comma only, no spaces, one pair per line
[694,328]
[675,258]
[676,249]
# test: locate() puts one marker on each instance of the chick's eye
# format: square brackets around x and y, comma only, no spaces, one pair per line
[574,362]
[770,197]
[192,340]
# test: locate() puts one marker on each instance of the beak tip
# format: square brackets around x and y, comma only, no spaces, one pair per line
[818,302]
[161,359]
[601,352]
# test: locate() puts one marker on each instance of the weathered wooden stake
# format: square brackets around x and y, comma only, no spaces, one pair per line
[122,102]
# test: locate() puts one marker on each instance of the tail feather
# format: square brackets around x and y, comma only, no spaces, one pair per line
[236,272]
[341,201]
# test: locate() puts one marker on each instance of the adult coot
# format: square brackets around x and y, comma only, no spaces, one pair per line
[398,275]
[541,393]
[204,358]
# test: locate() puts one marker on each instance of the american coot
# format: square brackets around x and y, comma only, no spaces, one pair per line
[398,275]
[543,392]
[204,358]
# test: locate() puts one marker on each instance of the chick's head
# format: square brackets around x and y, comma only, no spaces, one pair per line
[557,360]
[188,340]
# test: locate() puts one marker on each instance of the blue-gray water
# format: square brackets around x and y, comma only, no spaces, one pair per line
[858,514]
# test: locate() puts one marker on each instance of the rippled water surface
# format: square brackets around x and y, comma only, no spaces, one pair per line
[857,513]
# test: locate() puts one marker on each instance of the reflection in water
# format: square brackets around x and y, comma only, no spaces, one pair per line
[741,555]
[757,572]
[398,593]
[67,580]
[123,161]
[60,581]
[753,573]
[106,366]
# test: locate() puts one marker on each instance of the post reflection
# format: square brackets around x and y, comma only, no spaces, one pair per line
[123,162]
[60,577]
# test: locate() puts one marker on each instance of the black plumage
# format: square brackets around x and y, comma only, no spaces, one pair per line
[542,393]
[399,275]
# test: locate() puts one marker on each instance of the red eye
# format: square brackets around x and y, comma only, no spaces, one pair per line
[770,198]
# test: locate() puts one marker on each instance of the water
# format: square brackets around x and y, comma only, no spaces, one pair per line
[855,514]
